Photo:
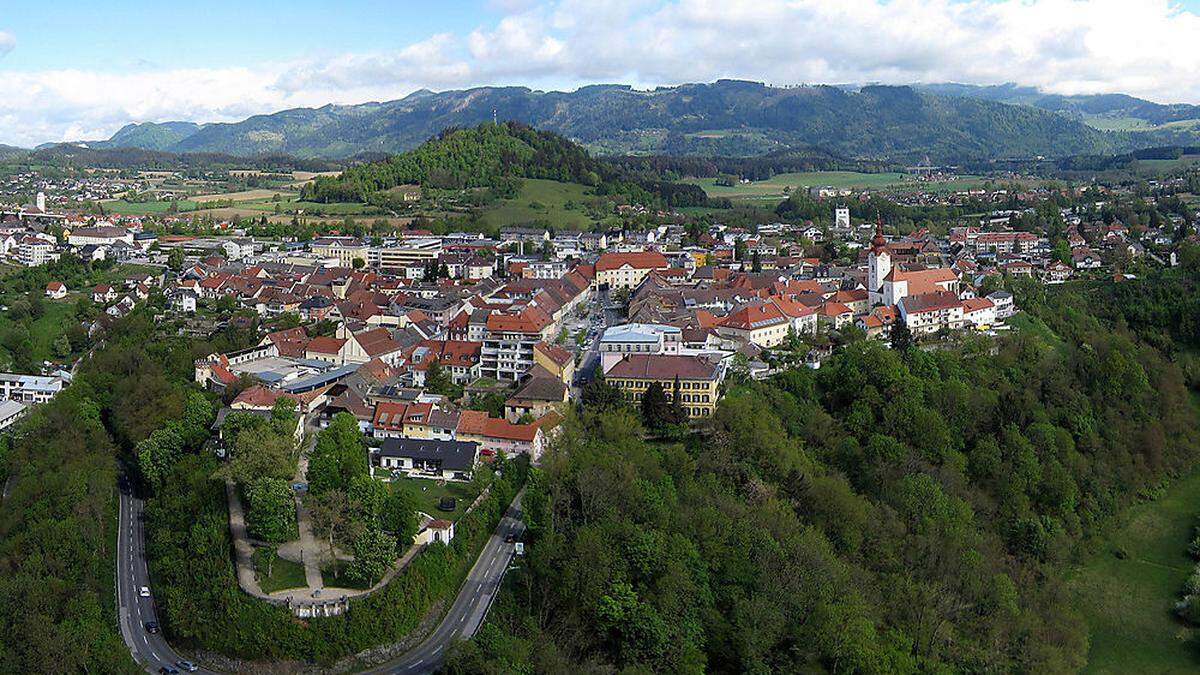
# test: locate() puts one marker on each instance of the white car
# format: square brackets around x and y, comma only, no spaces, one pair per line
[144,591]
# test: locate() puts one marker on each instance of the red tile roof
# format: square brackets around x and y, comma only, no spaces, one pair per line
[642,260]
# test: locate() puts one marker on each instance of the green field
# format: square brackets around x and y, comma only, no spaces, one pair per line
[124,208]
[1128,603]
[779,186]
[544,201]
[1107,123]
[285,574]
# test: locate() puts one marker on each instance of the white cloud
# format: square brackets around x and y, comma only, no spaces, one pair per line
[1145,48]
[7,42]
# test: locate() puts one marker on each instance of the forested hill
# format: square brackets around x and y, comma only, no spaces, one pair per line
[493,156]
[724,118]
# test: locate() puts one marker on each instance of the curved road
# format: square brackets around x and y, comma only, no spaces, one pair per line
[475,597]
[150,650]
[473,601]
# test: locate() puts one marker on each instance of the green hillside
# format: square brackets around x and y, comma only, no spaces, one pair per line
[725,118]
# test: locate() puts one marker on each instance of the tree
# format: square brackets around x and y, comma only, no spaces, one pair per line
[374,553]
[358,263]
[367,498]
[260,451]
[399,513]
[598,394]
[330,514]
[271,510]
[656,409]
[901,336]
[755,262]
[62,346]
[438,381]
[338,455]
[175,259]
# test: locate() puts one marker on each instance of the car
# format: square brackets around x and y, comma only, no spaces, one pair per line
[151,626]
[509,538]
[144,591]
[188,666]
[168,670]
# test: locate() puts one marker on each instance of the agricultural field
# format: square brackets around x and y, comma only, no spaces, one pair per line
[778,187]
[124,208]
[244,196]
[1158,166]
[1127,590]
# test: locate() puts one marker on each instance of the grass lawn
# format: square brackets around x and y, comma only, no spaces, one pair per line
[429,493]
[285,574]
[1128,603]
[1025,322]
[544,200]
[335,574]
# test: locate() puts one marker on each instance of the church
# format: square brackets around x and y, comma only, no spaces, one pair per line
[888,283]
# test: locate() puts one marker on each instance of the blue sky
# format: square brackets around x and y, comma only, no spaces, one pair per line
[72,70]
[126,35]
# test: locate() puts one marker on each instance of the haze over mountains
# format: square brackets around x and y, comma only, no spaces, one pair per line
[945,122]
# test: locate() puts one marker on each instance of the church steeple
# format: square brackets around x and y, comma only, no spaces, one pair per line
[878,243]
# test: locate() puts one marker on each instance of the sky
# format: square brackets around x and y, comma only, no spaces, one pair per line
[81,69]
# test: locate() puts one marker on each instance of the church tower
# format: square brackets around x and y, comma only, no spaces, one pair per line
[879,264]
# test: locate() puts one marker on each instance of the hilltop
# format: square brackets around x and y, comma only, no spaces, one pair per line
[497,157]
[724,118]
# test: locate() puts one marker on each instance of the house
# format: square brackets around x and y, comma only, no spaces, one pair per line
[30,388]
[10,412]
[979,312]
[429,458]
[555,360]
[103,294]
[763,325]
[541,393]
[105,234]
[501,436]
[1003,302]
[931,312]
[56,290]
[437,531]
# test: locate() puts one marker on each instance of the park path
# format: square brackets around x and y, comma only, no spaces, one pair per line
[242,549]
[310,547]
[310,550]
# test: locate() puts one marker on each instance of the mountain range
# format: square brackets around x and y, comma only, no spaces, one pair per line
[947,123]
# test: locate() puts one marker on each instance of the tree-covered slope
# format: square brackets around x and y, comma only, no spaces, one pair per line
[149,136]
[727,117]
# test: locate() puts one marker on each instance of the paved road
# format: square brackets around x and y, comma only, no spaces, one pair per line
[150,650]
[472,604]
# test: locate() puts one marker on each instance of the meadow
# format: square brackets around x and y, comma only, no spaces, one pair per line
[1126,591]
[778,187]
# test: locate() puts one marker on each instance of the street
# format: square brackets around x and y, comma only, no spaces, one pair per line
[150,650]
[473,601]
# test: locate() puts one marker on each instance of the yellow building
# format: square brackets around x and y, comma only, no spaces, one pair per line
[699,380]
